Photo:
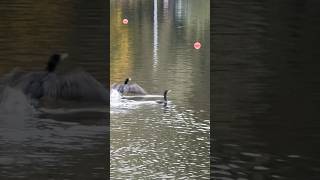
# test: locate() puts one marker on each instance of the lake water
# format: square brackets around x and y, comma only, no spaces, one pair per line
[60,143]
[266,89]
[156,50]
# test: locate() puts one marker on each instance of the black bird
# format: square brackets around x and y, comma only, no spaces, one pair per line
[76,85]
[127,88]
[165,99]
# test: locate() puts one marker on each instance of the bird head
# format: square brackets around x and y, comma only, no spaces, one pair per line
[54,61]
[127,80]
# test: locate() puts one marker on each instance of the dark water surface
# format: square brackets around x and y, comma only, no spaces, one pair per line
[62,143]
[156,50]
[266,89]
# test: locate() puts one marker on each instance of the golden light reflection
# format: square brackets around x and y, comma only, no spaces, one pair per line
[30,31]
[121,64]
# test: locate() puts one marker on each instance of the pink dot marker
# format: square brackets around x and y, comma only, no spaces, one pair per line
[197,45]
[125,21]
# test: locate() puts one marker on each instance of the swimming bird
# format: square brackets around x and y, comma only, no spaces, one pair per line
[127,88]
[165,99]
[75,85]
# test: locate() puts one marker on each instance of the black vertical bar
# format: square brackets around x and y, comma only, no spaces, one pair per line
[108,86]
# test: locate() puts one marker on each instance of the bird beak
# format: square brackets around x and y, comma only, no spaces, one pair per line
[169,91]
[64,56]
[129,79]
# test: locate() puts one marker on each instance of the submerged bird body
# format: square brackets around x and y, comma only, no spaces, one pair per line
[76,85]
[127,88]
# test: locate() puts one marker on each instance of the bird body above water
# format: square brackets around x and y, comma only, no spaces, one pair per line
[129,88]
[75,85]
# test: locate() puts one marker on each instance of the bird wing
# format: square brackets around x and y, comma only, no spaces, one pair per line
[76,85]
[15,77]
[116,86]
[29,83]
[134,89]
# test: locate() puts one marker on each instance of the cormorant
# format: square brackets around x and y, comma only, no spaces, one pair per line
[75,85]
[127,88]
[165,99]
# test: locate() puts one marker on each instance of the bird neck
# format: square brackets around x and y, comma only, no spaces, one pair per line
[165,96]
[51,67]
[126,81]
[53,62]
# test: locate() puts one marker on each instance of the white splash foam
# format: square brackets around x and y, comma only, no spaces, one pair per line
[121,104]
[115,96]
[14,102]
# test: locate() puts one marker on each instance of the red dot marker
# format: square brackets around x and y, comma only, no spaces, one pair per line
[197,45]
[125,21]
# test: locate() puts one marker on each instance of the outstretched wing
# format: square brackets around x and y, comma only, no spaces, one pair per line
[116,86]
[134,89]
[29,82]
[17,77]
[78,85]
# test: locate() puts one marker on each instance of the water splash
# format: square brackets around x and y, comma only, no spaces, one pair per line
[121,104]
[115,96]
[14,102]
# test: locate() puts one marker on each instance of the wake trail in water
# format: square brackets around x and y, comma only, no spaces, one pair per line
[121,104]
[13,102]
